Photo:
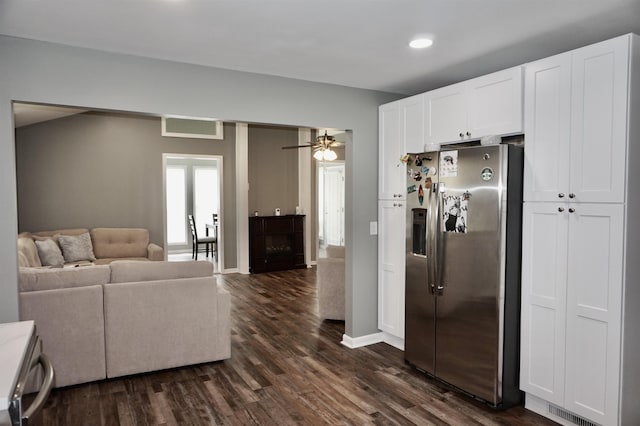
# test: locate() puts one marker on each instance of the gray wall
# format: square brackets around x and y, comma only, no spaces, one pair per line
[103,169]
[36,71]
[273,171]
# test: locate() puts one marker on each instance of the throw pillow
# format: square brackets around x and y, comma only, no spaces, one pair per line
[49,253]
[76,247]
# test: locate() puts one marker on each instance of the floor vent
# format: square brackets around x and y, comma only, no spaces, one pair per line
[569,416]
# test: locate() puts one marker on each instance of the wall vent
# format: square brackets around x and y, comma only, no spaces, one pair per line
[569,416]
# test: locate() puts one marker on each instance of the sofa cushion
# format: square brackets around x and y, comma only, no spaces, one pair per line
[71,231]
[123,271]
[49,253]
[27,248]
[35,279]
[119,242]
[76,247]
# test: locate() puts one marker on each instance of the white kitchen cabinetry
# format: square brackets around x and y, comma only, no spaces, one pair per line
[487,105]
[571,306]
[391,267]
[580,350]
[576,107]
[401,131]
[391,148]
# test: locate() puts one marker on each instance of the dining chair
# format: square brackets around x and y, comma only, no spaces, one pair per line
[208,242]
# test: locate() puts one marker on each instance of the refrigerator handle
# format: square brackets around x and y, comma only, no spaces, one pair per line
[434,213]
[437,286]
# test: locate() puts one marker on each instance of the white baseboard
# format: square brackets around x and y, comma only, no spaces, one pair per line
[231,271]
[394,341]
[358,342]
[371,339]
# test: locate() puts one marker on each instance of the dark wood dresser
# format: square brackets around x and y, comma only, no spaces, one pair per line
[276,243]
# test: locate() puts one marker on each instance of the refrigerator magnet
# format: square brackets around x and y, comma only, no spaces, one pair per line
[417,176]
[420,195]
[486,174]
[411,189]
[449,164]
[427,183]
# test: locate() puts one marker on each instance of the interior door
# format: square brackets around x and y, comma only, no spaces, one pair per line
[333,204]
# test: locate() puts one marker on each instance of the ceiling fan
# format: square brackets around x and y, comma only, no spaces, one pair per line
[322,147]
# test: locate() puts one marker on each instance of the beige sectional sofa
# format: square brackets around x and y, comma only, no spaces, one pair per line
[128,317]
[99,245]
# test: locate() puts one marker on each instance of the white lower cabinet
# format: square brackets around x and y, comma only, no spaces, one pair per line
[572,287]
[391,268]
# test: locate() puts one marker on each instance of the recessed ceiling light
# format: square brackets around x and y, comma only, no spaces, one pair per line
[421,43]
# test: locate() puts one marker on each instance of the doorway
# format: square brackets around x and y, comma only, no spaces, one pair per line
[331,203]
[192,185]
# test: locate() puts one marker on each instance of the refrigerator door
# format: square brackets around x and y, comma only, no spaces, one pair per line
[420,301]
[471,241]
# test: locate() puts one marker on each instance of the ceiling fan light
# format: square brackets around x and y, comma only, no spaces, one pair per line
[318,155]
[330,155]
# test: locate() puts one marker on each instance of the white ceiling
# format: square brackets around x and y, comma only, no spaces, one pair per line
[357,43]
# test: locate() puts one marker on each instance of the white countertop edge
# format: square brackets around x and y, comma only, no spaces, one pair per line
[14,341]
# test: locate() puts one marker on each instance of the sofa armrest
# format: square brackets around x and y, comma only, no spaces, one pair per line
[154,325]
[155,252]
[70,322]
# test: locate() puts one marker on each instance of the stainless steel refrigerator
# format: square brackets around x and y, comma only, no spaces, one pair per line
[464,216]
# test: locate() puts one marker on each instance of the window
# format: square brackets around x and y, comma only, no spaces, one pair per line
[206,198]
[176,205]
[183,127]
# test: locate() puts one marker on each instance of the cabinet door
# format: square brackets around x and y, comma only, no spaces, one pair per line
[599,121]
[495,104]
[391,171]
[412,115]
[391,265]
[544,271]
[594,311]
[547,128]
[446,114]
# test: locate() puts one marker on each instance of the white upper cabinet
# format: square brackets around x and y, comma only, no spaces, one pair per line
[600,79]
[575,124]
[487,105]
[446,114]
[391,148]
[401,131]
[547,127]
[412,113]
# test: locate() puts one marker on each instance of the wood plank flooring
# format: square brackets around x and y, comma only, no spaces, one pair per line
[287,368]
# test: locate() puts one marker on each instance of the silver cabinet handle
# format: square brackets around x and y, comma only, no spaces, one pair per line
[572,210]
[399,204]
[560,209]
[468,133]
[561,195]
[461,134]
[43,394]
[572,195]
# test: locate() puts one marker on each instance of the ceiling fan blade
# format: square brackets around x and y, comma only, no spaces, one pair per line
[298,146]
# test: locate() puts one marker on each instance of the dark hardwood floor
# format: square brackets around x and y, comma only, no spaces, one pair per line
[287,367]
